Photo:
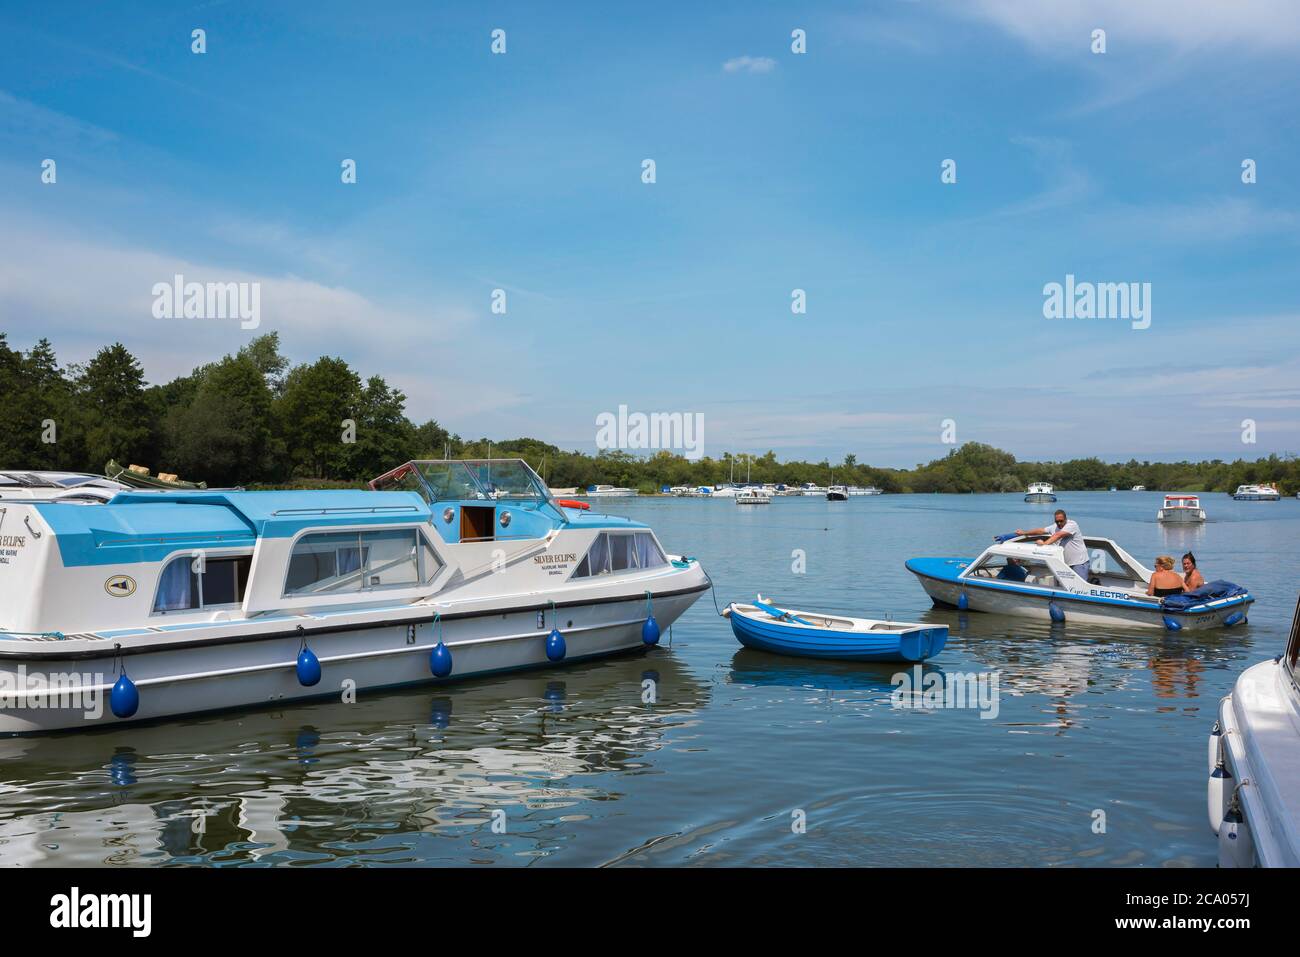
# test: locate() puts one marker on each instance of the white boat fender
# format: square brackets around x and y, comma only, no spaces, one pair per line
[1216,746]
[1219,792]
[124,699]
[1236,843]
[440,657]
[650,630]
[308,665]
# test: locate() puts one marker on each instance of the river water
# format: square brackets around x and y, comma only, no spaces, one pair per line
[1095,755]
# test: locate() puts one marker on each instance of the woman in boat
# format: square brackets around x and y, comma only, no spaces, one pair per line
[1164,580]
[1192,577]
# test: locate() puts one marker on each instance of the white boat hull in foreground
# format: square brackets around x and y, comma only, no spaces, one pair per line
[1253,791]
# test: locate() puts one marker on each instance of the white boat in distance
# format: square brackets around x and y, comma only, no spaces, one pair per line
[1181,510]
[1257,493]
[754,496]
[869,490]
[169,603]
[608,491]
[1138,488]
[809,488]
[1253,791]
[837,493]
[1040,492]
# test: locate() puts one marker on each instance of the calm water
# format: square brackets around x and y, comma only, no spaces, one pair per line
[586,774]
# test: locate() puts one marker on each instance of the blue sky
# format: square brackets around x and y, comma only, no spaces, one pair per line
[817,171]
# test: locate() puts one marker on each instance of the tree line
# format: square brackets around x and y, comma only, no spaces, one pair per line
[254,419]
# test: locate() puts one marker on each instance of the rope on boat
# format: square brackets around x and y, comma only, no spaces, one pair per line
[714,592]
[57,635]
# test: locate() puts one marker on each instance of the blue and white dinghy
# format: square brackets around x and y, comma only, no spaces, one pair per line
[810,634]
[156,604]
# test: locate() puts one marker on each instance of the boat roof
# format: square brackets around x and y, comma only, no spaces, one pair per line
[1182,498]
[140,526]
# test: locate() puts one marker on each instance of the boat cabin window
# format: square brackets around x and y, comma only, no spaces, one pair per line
[614,552]
[1106,563]
[189,583]
[331,563]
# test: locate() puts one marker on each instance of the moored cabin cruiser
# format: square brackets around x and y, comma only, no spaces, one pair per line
[1138,488]
[183,602]
[608,491]
[1257,493]
[1040,492]
[869,490]
[1254,764]
[754,496]
[1181,509]
[810,488]
[1017,576]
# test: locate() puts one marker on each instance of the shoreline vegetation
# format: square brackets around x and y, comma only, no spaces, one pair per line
[252,419]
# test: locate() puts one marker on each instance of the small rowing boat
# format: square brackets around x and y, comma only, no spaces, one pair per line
[807,634]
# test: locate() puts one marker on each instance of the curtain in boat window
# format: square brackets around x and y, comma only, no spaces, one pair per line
[598,558]
[622,552]
[648,552]
[178,587]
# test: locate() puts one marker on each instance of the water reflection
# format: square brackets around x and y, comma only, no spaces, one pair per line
[326,781]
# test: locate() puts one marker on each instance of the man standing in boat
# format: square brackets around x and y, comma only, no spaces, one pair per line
[1066,533]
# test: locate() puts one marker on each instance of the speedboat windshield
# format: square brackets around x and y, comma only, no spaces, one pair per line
[478,479]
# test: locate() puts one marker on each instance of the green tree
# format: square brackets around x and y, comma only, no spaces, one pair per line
[311,415]
[113,414]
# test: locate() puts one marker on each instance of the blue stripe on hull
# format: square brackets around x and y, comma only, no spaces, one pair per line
[915,645]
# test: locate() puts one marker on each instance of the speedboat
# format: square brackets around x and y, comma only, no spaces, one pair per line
[169,603]
[809,634]
[1181,509]
[1257,493]
[19,485]
[609,491]
[1138,488]
[1040,492]
[754,496]
[837,493]
[1254,777]
[1017,576]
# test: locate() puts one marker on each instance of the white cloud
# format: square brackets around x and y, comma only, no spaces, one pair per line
[83,294]
[1068,24]
[749,64]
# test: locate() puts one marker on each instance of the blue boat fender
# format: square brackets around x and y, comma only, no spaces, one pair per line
[308,668]
[1056,611]
[1173,624]
[650,630]
[440,663]
[555,648]
[1236,618]
[124,699]
[963,603]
